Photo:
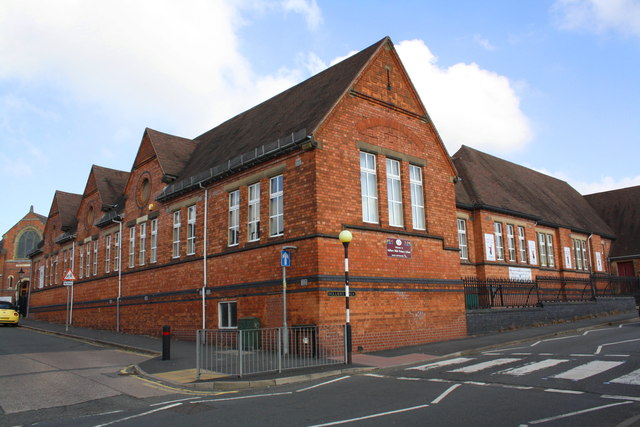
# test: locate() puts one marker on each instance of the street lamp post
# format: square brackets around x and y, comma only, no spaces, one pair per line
[18,285]
[345,237]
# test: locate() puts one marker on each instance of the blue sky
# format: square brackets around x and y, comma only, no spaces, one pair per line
[549,84]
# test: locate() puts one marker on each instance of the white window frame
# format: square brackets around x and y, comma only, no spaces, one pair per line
[142,243]
[462,239]
[276,206]
[497,228]
[153,256]
[230,322]
[511,243]
[394,193]
[542,249]
[191,230]
[116,251]
[417,197]
[522,244]
[87,261]
[550,257]
[369,187]
[55,271]
[234,218]
[175,245]
[81,270]
[107,254]
[95,257]
[132,247]
[253,213]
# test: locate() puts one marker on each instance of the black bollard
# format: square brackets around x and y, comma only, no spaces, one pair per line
[166,342]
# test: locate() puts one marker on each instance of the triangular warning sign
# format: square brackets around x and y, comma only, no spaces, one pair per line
[69,275]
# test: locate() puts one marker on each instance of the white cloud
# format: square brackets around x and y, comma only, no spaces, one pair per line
[308,8]
[173,61]
[469,105]
[485,43]
[598,16]
[606,183]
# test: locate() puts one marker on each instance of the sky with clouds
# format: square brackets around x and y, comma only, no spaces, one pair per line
[549,84]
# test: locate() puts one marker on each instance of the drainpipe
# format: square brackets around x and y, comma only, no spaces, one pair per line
[73,248]
[204,258]
[119,274]
[593,285]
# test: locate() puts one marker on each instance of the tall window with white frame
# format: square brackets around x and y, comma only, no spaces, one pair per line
[417,197]
[116,251]
[234,218]
[462,239]
[191,230]
[394,193]
[522,247]
[81,269]
[253,224]
[369,187]
[497,226]
[542,249]
[95,257]
[276,206]
[175,248]
[142,237]
[107,254]
[227,315]
[550,256]
[153,255]
[511,243]
[55,273]
[580,254]
[88,260]
[64,261]
[132,247]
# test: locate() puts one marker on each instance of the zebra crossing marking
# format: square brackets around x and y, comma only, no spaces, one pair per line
[485,365]
[454,361]
[587,370]
[632,378]
[532,367]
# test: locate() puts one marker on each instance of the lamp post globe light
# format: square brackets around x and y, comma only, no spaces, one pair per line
[345,237]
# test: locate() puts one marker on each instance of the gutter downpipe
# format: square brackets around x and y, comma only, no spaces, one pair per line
[119,274]
[593,286]
[73,251]
[204,258]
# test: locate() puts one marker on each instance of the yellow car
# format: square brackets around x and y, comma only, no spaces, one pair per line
[8,314]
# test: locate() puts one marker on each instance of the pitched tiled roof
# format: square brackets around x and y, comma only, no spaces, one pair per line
[499,185]
[300,108]
[68,204]
[173,151]
[621,210]
[110,183]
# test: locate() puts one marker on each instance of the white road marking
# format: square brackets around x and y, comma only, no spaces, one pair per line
[581,355]
[454,361]
[366,417]
[632,378]
[253,396]
[614,343]
[571,414]
[409,379]
[596,330]
[171,401]
[587,370]
[609,396]
[532,367]
[374,375]
[139,415]
[444,394]
[324,383]
[485,365]
[557,390]
[521,354]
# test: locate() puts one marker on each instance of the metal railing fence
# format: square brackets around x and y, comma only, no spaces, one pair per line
[490,293]
[502,292]
[238,353]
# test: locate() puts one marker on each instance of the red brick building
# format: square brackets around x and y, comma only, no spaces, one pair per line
[520,224]
[16,245]
[192,236]
[621,209]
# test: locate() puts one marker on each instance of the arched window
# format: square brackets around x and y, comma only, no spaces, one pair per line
[27,243]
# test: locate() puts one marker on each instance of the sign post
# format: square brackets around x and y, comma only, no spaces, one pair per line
[67,281]
[285,261]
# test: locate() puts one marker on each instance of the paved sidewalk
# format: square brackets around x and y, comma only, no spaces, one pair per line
[180,370]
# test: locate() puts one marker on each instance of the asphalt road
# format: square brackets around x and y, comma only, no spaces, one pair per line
[592,378]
